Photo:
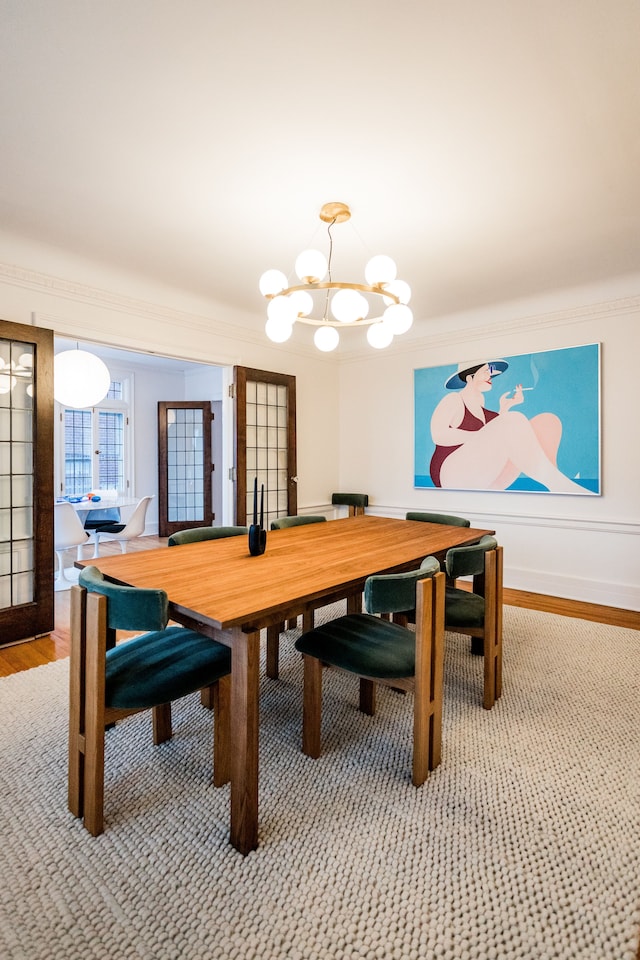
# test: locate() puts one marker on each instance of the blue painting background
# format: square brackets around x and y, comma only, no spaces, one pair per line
[566,382]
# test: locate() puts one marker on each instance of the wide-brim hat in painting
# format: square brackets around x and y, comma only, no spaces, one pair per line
[456,381]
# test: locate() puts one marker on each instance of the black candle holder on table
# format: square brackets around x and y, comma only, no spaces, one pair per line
[257,533]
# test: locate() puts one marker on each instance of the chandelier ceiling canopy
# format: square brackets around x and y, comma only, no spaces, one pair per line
[329,304]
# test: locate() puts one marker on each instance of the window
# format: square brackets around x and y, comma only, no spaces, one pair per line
[94,444]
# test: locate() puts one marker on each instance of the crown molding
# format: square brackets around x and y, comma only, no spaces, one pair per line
[602,310]
[165,319]
[168,317]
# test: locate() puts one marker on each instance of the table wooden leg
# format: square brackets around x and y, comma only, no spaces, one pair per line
[273,649]
[245,665]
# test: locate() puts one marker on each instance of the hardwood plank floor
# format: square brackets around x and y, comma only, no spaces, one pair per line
[55,646]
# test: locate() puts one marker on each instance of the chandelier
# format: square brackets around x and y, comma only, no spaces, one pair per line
[330,304]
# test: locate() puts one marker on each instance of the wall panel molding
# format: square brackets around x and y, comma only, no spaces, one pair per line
[492,519]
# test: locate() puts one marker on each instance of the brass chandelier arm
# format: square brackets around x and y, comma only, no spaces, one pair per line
[337,285]
[338,324]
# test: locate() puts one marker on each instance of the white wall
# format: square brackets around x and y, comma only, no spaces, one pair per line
[571,546]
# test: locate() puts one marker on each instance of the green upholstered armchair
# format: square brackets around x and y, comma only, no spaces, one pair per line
[478,613]
[355,501]
[283,522]
[379,651]
[197,534]
[450,519]
[110,682]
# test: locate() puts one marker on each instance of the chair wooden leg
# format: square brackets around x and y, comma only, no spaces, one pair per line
[493,637]
[427,715]
[354,603]
[493,629]
[206,697]
[75,796]
[161,723]
[95,714]
[273,650]
[367,696]
[222,731]
[312,707]
[489,642]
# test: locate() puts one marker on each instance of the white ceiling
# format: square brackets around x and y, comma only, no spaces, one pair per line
[492,148]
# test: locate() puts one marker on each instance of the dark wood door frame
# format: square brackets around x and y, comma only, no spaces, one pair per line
[165,526]
[21,621]
[241,375]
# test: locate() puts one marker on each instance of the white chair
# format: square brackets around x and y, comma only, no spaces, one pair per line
[68,532]
[103,516]
[134,527]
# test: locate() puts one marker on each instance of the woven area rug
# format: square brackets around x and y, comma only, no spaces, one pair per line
[523,845]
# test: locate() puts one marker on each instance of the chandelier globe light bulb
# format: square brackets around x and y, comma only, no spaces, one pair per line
[272,282]
[326,338]
[380,269]
[379,335]
[278,330]
[400,289]
[399,318]
[311,266]
[347,306]
[282,309]
[302,301]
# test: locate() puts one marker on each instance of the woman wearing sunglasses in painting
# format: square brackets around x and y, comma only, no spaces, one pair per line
[477,448]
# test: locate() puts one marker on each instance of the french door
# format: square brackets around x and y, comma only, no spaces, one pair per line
[184,465]
[265,443]
[26,482]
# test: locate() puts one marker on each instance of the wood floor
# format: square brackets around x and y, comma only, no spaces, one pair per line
[55,646]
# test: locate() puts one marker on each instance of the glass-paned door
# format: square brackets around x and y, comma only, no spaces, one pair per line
[265,443]
[26,481]
[184,465]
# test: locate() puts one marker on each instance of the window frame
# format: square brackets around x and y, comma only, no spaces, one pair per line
[124,406]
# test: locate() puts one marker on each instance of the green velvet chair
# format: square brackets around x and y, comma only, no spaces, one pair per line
[379,651]
[282,523]
[197,534]
[478,613]
[273,633]
[355,501]
[109,682]
[448,518]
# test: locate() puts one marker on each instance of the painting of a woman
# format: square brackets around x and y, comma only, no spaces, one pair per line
[480,445]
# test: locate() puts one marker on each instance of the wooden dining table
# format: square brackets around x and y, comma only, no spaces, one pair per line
[218,588]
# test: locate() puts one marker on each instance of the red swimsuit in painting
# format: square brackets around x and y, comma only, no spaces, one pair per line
[440,454]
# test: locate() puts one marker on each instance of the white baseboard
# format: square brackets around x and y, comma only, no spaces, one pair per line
[609,593]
